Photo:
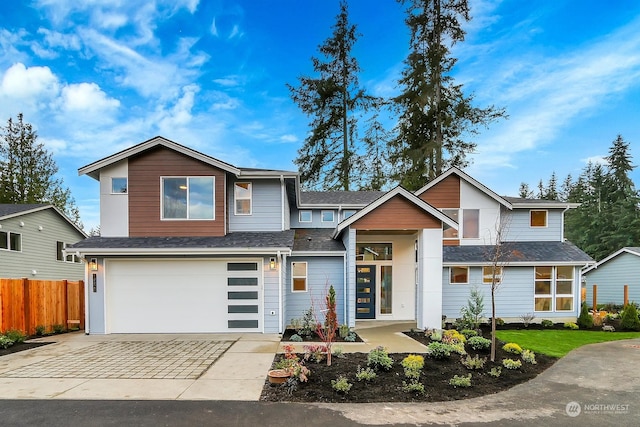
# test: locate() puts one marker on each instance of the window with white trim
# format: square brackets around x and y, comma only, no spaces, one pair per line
[468,223]
[298,276]
[538,218]
[554,289]
[458,275]
[305,216]
[71,257]
[119,185]
[10,241]
[189,198]
[242,192]
[487,274]
[346,214]
[327,216]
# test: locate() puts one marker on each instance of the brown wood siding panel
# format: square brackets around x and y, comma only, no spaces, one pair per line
[445,194]
[145,171]
[455,242]
[397,214]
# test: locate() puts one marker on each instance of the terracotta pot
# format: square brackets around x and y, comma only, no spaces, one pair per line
[278,376]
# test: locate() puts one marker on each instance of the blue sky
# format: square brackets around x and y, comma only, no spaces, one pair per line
[95,77]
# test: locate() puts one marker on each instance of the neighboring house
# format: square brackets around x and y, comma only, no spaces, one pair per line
[33,238]
[193,244]
[611,274]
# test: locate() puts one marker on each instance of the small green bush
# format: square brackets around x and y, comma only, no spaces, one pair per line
[460,381]
[528,356]
[5,342]
[341,385]
[58,328]
[499,321]
[629,320]
[365,374]
[16,336]
[473,362]
[413,387]
[571,325]
[40,330]
[436,336]
[512,348]
[546,323]
[351,337]
[468,333]
[439,350]
[496,371]
[511,364]
[295,338]
[412,365]
[458,348]
[479,343]
[344,330]
[585,320]
[379,359]
[338,351]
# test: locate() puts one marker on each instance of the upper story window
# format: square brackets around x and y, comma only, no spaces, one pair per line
[10,241]
[374,251]
[299,276]
[60,246]
[119,186]
[242,193]
[188,197]
[327,216]
[305,216]
[538,218]
[459,275]
[346,214]
[468,223]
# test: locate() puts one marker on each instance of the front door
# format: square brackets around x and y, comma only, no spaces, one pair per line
[365,292]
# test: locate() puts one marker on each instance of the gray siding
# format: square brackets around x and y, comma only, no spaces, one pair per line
[349,241]
[266,207]
[39,250]
[271,299]
[611,278]
[321,273]
[514,297]
[316,217]
[518,228]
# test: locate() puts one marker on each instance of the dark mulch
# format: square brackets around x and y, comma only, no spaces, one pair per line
[286,336]
[486,328]
[21,347]
[387,387]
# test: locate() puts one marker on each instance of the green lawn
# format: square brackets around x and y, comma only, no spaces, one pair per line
[557,343]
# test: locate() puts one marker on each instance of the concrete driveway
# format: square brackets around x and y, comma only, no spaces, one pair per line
[77,366]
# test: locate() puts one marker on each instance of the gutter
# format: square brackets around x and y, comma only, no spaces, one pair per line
[181,251]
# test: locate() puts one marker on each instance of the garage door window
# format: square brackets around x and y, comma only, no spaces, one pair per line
[188,197]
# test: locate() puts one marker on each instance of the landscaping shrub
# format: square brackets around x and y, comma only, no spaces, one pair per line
[496,371]
[439,350]
[458,348]
[341,385]
[527,318]
[468,333]
[365,374]
[436,336]
[16,336]
[585,321]
[479,343]
[571,325]
[528,356]
[413,387]
[58,328]
[460,381]
[512,348]
[412,365]
[473,362]
[629,320]
[379,359]
[344,330]
[5,342]
[472,312]
[452,336]
[295,338]
[511,364]
[351,337]
[546,323]
[40,330]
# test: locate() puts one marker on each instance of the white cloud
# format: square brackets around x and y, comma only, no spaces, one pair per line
[596,160]
[87,98]
[20,82]
[289,138]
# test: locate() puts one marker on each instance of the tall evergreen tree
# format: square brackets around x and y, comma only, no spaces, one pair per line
[436,118]
[375,161]
[28,171]
[327,159]
[524,191]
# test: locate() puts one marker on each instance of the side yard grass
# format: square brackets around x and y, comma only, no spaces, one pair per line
[558,343]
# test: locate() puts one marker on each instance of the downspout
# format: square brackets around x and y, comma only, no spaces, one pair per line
[562,225]
[280,304]
[345,313]
[282,194]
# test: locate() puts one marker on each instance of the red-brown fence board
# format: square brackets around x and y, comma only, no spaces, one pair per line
[26,303]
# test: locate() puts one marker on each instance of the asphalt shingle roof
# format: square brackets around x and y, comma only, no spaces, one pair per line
[339,197]
[10,209]
[279,239]
[316,240]
[518,252]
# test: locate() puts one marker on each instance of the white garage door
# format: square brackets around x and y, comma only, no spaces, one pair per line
[188,296]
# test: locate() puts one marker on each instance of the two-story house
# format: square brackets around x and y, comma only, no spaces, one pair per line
[193,244]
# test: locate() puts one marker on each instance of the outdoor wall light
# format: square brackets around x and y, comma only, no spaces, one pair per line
[272,263]
[93,264]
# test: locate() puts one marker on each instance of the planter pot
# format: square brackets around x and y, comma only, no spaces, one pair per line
[278,376]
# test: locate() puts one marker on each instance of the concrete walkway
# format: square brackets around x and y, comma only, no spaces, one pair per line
[191,367]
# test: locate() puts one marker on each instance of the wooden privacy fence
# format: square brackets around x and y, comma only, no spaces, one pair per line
[26,303]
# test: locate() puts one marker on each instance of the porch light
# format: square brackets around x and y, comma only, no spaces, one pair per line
[93,264]
[272,263]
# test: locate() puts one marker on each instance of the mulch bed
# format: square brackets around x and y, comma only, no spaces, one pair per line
[387,386]
[21,347]
[286,336]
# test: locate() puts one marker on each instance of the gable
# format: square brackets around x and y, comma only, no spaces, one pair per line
[397,213]
[445,194]
[145,172]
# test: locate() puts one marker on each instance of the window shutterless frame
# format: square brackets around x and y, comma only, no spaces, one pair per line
[327,216]
[538,218]
[459,275]
[119,185]
[242,198]
[187,198]
[305,216]
[299,274]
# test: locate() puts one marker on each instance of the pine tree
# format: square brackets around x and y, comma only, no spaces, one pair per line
[327,159]
[524,191]
[375,162]
[28,171]
[435,115]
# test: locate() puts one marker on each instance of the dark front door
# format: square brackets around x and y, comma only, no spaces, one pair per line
[365,292]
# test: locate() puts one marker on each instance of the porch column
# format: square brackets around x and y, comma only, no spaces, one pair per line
[429,296]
